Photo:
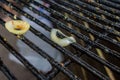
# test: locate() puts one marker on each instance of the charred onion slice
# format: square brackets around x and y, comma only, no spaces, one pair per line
[17,26]
[62,42]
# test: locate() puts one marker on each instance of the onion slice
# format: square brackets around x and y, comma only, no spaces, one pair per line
[17,27]
[62,42]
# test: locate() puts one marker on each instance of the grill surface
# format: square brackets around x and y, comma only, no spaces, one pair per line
[94,24]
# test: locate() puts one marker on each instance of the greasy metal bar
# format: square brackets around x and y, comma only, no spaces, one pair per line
[115,1]
[93,8]
[99,45]
[92,43]
[51,60]
[100,53]
[76,15]
[78,60]
[112,31]
[108,3]
[115,68]
[73,13]
[106,9]
[114,18]
[65,70]
[68,53]
[23,60]
[6,71]
[55,71]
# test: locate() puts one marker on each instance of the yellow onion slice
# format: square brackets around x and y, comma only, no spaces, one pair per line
[62,42]
[17,27]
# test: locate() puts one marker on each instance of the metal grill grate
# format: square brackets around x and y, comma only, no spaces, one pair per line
[95,25]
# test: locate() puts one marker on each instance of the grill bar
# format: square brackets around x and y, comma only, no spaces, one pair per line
[110,4]
[112,31]
[54,11]
[42,53]
[78,60]
[6,72]
[104,7]
[79,25]
[73,58]
[94,9]
[78,16]
[115,1]
[98,59]
[22,59]
[100,11]
[91,14]
[28,42]
[87,40]
[57,65]
[55,71]
[97,44]
[73,13]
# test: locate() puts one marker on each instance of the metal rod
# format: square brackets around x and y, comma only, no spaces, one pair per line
[100,53]
[110,4]
[76,15]
[115,1]
[6,71]
[84,38]
[51,60]
[107,11]
[23,60]
[113,17]
[115,68]
[78,60]
[87,40]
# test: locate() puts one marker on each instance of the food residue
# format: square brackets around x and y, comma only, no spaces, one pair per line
[61,41]
[17,27]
